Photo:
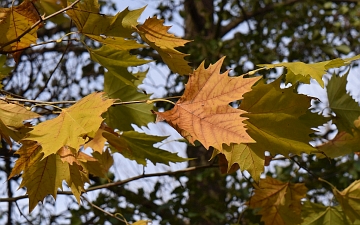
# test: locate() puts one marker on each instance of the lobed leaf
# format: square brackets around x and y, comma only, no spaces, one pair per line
[72,125]
[155,34]
[122,116]
[299,71]
[14,22]
[277,201]
[349,200]
[279,120]
[317,214]
[139,147]
[347,110]
[203,112]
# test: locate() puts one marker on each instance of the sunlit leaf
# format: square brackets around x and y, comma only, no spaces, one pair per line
[349,200]
[72,125]
[203,112]
[154,33]
[316,214]
[14,22]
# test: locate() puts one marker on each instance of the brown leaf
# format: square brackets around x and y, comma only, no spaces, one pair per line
[14,22]
[203,112]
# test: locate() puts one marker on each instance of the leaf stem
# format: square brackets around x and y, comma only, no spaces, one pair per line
[151,101]
[325,181]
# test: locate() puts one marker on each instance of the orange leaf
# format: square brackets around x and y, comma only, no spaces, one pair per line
[278,200]
[203,112]
[154,33]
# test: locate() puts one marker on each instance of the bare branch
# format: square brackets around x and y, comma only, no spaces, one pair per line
[122,182]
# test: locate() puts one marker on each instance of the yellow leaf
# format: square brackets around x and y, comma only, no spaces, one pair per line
[349,200]
[246,158]
[154,33]
[14,22]
[203,112]
[11,121]
[13,115]
[43,177]
[72,125]
[278,200]
[29,154]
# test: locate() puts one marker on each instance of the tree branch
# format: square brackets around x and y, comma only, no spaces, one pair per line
[122,182]
[234,23]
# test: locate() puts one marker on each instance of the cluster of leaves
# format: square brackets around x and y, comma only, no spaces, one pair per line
[270,119]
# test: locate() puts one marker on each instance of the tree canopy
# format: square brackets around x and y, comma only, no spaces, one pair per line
[260,149]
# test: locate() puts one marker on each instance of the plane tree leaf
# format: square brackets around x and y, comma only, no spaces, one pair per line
[342,144]
[246,158]
[299,71]
[72,125]
[155,34]
[278,203]
[349,200]
[317,214]
[203,112]
[43,176]
[271,108]
[12,117]
[347,110]
[122,116]
[14,22]
[117,62]
[139,147]
[114,31]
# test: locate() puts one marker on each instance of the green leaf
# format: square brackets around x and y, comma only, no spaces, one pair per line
[139,147]
[349,200]
[122,116]
[317,214]
[347,110]
[277,119]
[296,71]
[246,158]
[117,62]
[114,31]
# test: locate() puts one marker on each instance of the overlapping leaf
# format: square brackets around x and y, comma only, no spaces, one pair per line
[72,125]
[347,110]
[299,71]
[139,147]
[114,31]
[349,200]
[279,120]
[11,120]
[122,116]
[117,62]
[246,157]
[316,214]
[154,33]
[43,176]
[14,22]
[203,113]
[279,202]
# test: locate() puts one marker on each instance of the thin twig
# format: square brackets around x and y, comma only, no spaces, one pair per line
[22,214]
[120,183]
[100,209]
